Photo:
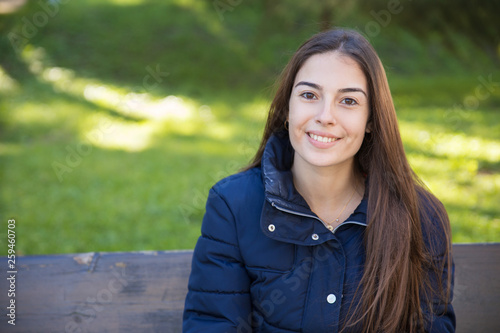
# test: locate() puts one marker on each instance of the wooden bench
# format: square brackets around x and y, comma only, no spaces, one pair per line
[144,291]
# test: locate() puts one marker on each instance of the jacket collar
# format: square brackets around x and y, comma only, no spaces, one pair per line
[277,175]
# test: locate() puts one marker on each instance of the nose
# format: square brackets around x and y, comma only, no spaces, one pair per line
[326,115]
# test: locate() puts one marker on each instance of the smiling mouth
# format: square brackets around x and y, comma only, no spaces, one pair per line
[324,139]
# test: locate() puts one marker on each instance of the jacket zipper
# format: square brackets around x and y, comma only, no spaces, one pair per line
[314,217]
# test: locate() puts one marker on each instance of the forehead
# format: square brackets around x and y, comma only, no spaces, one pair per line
[332,69]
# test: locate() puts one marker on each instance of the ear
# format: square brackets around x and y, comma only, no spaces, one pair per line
[368,128]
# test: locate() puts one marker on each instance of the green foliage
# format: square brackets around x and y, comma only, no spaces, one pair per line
[96,156]
[444,22]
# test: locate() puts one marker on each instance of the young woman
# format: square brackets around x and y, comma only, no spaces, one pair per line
[328,229]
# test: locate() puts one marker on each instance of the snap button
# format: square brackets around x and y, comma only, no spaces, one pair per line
[331,298]
[315,236]
[330,227]
[271,227]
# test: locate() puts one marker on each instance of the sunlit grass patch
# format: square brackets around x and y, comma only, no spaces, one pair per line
[7,84]
[460,167]
[127,183]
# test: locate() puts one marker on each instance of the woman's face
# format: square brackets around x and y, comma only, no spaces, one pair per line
[328,111]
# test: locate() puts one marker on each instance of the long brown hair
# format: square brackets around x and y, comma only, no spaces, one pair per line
[401,210]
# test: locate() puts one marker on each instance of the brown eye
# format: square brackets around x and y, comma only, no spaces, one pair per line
[349,101]
[308,95]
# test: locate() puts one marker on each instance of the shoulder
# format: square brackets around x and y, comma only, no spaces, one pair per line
[240,186]
[430,207]
[435,223]
[234,203]
[240,178]
[241,192]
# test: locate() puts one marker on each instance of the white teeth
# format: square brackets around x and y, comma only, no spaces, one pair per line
[321,138]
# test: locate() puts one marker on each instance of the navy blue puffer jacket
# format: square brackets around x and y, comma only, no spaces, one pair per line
[266,263]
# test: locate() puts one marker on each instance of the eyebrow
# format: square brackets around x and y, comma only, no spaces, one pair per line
[309,84]
[344,90]
[318,87]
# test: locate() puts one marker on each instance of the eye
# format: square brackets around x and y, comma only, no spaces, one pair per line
[308,95]
[349,101]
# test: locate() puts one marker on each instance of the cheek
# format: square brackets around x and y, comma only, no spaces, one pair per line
[299,113]
[295,118]
[292,110]
[295,126]
[358,124]
[356,129]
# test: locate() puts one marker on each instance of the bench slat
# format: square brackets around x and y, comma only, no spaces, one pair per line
[477,287]
[100,292]
[145,291]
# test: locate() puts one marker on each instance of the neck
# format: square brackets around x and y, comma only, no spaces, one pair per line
[326,189]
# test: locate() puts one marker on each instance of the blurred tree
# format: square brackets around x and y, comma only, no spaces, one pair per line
[476,20]
[332,12]
[10,59]
[326,14]
[287,14]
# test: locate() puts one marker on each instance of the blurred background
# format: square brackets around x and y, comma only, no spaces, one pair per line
[117,116]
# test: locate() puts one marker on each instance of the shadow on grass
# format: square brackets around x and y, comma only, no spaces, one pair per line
[189,42]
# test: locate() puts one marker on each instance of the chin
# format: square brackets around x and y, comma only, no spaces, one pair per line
[322,163]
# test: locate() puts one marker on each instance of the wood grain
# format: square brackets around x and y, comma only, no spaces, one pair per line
[477,287]
[100,292]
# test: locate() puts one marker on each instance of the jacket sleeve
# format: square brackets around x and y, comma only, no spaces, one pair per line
[218,298]
[439,314]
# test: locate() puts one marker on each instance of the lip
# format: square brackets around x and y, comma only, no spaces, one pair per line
[319,144]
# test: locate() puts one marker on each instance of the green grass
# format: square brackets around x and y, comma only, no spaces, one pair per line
[135,165]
